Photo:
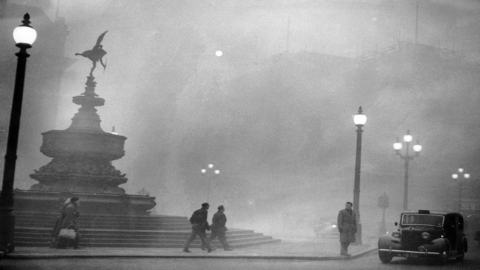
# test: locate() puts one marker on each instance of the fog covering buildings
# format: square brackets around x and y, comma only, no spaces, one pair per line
[274,112]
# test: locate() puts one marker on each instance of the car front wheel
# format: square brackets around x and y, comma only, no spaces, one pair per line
[385,257]
[444,256]
[461,253]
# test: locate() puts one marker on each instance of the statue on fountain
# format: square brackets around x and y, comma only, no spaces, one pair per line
[96,54]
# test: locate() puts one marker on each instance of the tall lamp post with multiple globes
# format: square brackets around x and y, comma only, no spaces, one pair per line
[359,119]
[460,185]
[417,148]
[209,178]
[24,36]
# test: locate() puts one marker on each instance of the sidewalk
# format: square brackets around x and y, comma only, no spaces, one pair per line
[313,249]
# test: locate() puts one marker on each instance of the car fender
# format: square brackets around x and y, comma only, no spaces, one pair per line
[438,245]
[387,241]
[441,242]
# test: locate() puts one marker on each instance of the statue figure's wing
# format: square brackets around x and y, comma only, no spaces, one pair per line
[100,38]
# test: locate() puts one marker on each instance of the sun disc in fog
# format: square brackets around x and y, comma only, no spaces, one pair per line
[218,53]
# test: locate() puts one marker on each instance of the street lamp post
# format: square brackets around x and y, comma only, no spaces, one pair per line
[417,148]
[204,172]
[24,36]
[460,186]
[360,119]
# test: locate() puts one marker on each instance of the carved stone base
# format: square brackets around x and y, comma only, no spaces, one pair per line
[81,162]
[79,175]
[78,183]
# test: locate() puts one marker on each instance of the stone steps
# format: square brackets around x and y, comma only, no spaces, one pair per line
[34,229]
[195,244]
[118,240]
[109,226]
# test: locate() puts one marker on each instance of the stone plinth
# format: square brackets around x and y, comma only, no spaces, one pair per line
[91,203]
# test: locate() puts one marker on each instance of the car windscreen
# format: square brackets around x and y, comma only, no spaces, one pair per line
[419,219]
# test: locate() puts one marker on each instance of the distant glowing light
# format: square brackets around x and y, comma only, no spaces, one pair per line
[218,53]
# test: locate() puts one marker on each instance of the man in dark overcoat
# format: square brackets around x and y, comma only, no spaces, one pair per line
[219,229]
[199,225]
[347,226]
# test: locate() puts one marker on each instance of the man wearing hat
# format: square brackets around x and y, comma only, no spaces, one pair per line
[219,229]
[199,225]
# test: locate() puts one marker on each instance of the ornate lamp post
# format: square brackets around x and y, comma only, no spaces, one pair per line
[360,119]
[24,36]
[417,148]
[204,172]
[460,186]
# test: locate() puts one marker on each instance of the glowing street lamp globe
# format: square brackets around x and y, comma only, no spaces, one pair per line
[25,34]
[417,147]
[398,145]
[408,138]
[360,119]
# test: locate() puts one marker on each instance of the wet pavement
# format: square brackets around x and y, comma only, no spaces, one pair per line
[302,249]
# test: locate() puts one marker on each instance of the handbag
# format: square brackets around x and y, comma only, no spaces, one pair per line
[67,233]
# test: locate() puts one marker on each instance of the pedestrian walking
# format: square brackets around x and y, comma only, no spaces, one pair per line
[347,226]
[58,224]
[199,226]
[68,220]
[219,229]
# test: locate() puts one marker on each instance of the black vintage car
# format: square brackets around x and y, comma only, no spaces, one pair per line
[425,234]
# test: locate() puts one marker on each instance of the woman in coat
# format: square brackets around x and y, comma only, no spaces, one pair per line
[69,221]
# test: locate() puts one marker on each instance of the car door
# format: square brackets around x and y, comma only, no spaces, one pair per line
[459,231]
[450,226]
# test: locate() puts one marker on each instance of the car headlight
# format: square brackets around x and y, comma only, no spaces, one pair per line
[396,234]
[425,235]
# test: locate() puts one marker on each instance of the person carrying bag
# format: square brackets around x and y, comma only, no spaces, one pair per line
[67,233]
[68,229]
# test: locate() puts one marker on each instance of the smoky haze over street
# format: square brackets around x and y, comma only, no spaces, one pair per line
[274,112]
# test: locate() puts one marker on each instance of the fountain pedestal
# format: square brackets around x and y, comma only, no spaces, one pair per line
[81,166]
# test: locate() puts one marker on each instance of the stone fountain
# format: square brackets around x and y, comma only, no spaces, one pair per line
[81,163]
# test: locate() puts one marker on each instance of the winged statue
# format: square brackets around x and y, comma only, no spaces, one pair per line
[96,54]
